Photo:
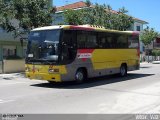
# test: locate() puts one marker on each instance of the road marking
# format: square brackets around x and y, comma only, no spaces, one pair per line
[5,101]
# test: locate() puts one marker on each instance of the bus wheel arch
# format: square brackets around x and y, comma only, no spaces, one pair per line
[123,70]
[81,75]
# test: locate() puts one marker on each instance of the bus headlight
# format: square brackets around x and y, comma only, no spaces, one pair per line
[53,70]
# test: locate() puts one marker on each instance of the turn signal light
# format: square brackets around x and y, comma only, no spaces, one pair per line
[27,69]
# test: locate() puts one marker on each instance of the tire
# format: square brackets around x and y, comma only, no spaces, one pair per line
[123,70]
[80,76]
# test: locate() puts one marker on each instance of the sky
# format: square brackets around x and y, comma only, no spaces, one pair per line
[147,10]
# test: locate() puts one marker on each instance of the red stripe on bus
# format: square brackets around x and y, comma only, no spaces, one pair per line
[85,50]
[138,52]
[81,28]
[135,33]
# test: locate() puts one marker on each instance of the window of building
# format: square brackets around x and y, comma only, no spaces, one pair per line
[138,28]
[9,51]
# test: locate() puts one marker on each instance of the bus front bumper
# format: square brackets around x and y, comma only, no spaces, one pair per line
[44,76]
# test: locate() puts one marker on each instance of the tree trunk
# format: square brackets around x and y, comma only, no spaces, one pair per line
[147,53]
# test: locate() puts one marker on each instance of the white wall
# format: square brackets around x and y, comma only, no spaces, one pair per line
[11,66]
[138,24]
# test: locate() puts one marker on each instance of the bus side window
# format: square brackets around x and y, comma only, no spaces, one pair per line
[91,41]
[133,41]
[122,41]
[105,40]
[102,42]
[86,39]
[109,42]
[81,39]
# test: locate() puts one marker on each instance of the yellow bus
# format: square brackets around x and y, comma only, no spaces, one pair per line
[75,53]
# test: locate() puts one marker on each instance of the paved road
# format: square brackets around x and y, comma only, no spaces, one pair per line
[139,92]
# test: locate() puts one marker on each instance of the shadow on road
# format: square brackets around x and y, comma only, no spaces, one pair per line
[92,82]
[146,67]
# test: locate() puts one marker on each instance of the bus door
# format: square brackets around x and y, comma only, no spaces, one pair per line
[69,47]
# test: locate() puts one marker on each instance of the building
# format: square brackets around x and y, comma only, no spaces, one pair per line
[138,24]
[59,18]
[12,51]
[156,43]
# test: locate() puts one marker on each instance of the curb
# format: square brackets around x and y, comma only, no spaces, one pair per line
[156,62]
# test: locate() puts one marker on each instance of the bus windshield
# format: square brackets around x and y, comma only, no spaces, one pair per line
[43,46]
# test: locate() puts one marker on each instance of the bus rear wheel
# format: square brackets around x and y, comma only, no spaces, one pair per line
[123,70]
[80,75]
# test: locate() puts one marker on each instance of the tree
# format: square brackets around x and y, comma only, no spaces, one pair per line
[94,15]
[101,15]
[73,17]
[147,36]
[124,21]
[88,3]
[20,16]
[156,53]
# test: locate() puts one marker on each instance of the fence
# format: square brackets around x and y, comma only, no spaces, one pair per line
[149,58]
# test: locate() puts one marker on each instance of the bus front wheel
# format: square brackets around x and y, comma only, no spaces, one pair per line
[80,75]
[123,70]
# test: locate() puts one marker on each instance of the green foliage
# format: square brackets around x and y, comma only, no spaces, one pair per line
[96,15]
[20,16]
[73,17]
[88,3]
[123,21]
[156,52]
[148,35]
[101,15]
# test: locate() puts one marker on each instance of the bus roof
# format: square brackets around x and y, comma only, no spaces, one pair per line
[86,28]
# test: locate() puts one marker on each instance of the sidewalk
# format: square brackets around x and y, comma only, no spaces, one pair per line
[12,75]
[153,62]
[156,62]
